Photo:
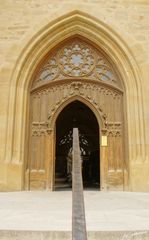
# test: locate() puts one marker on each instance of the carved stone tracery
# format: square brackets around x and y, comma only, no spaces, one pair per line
[76,59]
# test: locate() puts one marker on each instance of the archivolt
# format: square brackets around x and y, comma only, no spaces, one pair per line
[72,24]
[99,117]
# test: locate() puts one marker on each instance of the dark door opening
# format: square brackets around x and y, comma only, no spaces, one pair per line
[77,114]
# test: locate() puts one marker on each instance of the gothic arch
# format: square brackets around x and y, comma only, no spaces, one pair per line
[100,119]
[78,112]
[76,23]
[99,114]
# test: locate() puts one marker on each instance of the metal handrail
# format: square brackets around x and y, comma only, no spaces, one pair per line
[78,211]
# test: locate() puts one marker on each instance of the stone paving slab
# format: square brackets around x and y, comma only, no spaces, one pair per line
[51,211]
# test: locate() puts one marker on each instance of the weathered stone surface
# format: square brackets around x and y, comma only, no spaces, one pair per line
[26,235]
[109,215]
[21,22]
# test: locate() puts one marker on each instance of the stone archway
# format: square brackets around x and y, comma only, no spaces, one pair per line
[77,114]
[76,70]
[47,38]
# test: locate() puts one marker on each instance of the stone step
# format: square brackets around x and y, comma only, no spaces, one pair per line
[57,175]
[62,186]
[62,180]
[64,235]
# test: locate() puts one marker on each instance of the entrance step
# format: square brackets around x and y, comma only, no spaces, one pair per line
[58,175]
[60,180]
[63,235]
[61,185]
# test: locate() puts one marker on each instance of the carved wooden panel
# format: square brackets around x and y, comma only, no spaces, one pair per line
[76,70]
[107,101]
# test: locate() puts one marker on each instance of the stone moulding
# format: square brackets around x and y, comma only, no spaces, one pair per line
[75,23]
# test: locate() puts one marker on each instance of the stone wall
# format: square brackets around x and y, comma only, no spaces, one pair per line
[20,21]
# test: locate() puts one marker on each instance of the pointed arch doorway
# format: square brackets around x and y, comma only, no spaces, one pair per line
[77,114]
[76,70]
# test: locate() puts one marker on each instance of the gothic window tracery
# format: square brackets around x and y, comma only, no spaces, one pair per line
[76,59]
[67,141]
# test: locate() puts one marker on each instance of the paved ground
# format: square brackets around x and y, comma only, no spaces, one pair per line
[116,211]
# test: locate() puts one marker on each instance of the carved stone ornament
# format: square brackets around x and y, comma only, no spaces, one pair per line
[76,59]
[49,130]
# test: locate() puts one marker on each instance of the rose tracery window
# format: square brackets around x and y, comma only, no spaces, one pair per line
[76,59]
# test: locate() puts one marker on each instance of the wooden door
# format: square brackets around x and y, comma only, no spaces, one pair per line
[76,70]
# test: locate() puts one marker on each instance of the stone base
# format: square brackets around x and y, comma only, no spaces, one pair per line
[63,235]
[11,177]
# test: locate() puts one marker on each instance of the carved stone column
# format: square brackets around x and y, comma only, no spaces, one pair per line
[103,159]
[50,158]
